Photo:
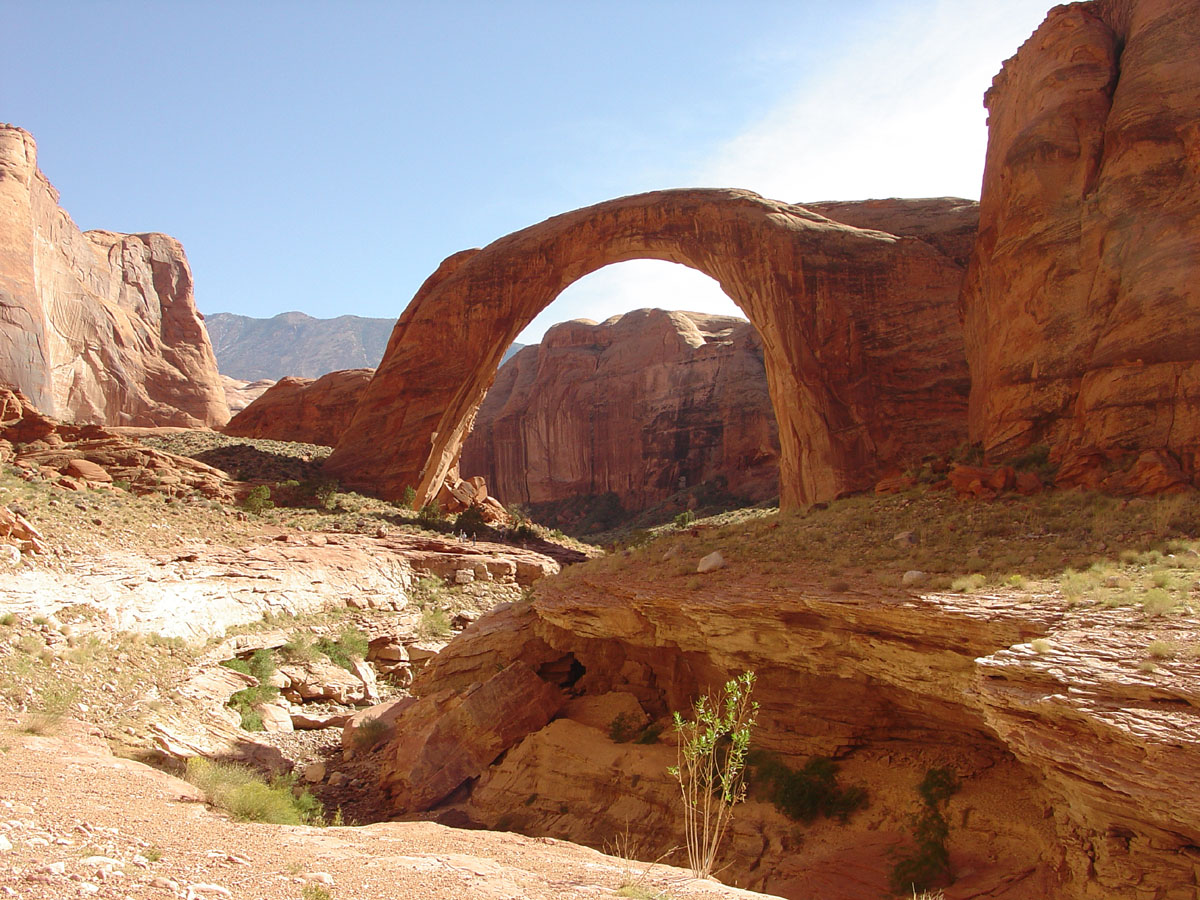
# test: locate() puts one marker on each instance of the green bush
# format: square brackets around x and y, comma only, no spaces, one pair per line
[927,863]
[261,665]
[685,518]
[409,497]
[807,793]
[350,645]
[245,796]
[430,514]
[622,729]
[258,500]
[470,521]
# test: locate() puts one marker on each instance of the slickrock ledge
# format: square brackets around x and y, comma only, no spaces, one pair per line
[1078,762]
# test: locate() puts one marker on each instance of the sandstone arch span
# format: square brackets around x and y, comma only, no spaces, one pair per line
[861,335]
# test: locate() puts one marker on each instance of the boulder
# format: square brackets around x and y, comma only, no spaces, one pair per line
[446,738]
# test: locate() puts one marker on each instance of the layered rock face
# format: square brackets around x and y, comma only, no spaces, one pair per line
[641,405]
[1076,763]
[1082,302]
[304,410]
[96,327]
[861,340]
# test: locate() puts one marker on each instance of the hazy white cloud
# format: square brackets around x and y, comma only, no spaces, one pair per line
[898,114]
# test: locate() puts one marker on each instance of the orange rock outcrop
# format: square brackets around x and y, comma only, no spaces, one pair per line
[1082,302]
[861,339]
[640,405]
[1077,763]
[311,411]
[96,327]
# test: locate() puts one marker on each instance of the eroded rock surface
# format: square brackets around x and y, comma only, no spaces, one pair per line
[1074,760]
[861,339]
[96,327]
[303,409]
[638,406]
[1082,315]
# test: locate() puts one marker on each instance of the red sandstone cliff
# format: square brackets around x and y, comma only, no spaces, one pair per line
[640,405]
[96,327]
[1082,302]
[303,409]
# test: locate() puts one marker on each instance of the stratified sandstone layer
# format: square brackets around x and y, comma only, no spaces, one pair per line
[1077,762]
[96,327]
[641,405]
[1082,301]
[304,410]
[861,339]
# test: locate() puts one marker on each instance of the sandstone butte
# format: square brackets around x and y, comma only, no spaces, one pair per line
[1082,311]
[861,339]
[640,405]
[307,410]
[96,327]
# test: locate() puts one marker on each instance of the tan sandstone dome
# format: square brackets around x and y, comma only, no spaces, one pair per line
[96,327]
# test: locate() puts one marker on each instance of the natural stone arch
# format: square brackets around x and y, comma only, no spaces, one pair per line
[861,336]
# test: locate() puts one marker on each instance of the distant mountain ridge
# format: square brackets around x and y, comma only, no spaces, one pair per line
[294,343]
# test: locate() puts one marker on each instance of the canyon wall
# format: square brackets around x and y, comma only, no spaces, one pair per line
[303,409]
[641,405]
[96,327]
[1082,301]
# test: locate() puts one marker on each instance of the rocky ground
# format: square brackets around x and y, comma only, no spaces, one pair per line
[125,624]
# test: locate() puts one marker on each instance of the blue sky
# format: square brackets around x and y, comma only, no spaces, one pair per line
[326,156]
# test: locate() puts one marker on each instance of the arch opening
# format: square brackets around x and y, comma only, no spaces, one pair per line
[860,333]
[660,406]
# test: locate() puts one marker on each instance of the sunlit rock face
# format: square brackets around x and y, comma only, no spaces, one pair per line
[96,327]
[861,339]
[641,406]
[310,411]
[1082,302]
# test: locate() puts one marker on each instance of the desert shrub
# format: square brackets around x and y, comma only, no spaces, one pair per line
[261,665]
[623,728]
[370,733]
[649,734]
[246,796]
[351,644]
[1161,649]
[470,521]
[434,624]
[430,515]
[1041,645]
[408,498]
[314,891]
[806,793]
[299,649]
[1158,602]
[927,863]
[711,762]
[258,500]
[685,518]
[53,702]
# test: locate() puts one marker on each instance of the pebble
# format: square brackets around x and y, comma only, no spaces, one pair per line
[168,884]
[319,878]
[54,868]
[200,889]
[5,844]
[712,562]
[913,576]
